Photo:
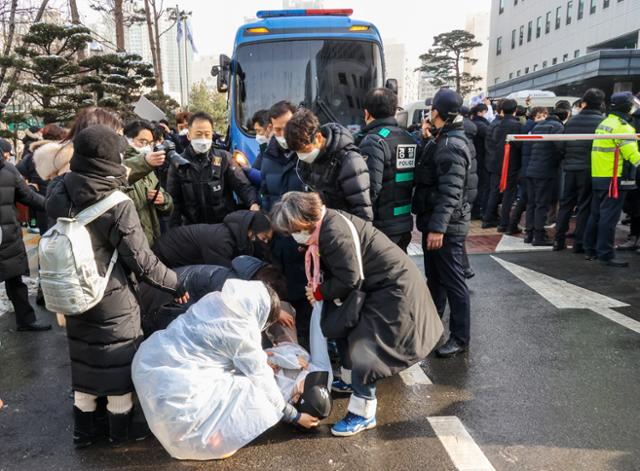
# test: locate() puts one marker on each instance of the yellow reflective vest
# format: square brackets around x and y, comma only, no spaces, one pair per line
[603,154]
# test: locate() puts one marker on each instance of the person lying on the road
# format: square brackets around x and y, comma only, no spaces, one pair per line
[204,383]
[241,233]
[159,309]
[376,302]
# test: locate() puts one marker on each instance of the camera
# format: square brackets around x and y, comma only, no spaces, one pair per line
[169,149]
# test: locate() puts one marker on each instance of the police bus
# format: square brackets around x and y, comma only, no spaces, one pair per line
[320,59]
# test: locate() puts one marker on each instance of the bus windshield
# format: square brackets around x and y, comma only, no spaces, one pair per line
[329,76]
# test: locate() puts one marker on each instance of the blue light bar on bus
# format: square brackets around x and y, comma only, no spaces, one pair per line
[327,12]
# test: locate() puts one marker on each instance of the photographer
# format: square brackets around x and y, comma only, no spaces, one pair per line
[150,199]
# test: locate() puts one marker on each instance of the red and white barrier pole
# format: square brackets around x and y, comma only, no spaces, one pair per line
[570,137]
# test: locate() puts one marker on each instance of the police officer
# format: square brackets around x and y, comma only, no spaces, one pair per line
[391,154]
[202,191]
[613,169]
[441,203]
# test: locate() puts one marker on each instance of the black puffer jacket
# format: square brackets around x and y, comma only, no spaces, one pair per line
[207,244]
[339,174]
[13,256]
[27,167]
[577,154]
[507,125]
[471,131]
[202,191]
[444,184]
[545,156]
[103,340]
[398,324]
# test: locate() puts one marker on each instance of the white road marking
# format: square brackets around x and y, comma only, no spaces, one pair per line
[565,295]
[415,250]
[515,244]
[414,375]
[463,451]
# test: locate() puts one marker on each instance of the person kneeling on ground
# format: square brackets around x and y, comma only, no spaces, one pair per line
[390,321]
[205,384]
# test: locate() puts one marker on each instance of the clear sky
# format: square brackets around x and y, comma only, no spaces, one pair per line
[412,22]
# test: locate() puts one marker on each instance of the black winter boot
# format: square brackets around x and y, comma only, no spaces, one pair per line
[84,432]
[122,429]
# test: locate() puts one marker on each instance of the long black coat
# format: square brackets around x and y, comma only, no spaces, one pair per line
[340,174]
[507,125]
[399,324]
[207,244]
[13,256]
[103,340]
[577,154]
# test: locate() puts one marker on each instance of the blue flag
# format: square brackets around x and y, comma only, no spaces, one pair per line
[179,33]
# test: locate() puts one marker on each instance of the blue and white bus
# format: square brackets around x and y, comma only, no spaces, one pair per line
[320,59]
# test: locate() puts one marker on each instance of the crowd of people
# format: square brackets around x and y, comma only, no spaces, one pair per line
[219,263]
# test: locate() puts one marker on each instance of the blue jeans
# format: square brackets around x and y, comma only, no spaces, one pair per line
[365,391]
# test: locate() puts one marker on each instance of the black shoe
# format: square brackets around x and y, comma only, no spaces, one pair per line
[528,238]
[558,245]
[590,256]
[502,229]
[451,348]
[489,225]
[578,248]
[542,243]
[122,429]
[469,273]
[615,263]
[33,327]
[84,432]
[514,230]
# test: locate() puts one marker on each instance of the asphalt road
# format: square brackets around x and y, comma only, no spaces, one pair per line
[542,388]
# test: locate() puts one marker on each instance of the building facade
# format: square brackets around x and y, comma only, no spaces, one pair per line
[478,25]
[565,46]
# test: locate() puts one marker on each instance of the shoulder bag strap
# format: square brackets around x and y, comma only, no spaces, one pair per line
[356,243]
[93,212]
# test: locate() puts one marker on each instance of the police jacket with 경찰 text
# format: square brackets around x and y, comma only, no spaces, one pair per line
[339,174]
[202,191]
[391,155]
[441,200]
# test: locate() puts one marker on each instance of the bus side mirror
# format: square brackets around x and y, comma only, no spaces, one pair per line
[223,73]
[402,116]
[215,71]
[392,84]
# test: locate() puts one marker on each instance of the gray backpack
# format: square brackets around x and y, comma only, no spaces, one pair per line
[68,273]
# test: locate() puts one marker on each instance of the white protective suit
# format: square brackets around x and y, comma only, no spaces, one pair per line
[204,383]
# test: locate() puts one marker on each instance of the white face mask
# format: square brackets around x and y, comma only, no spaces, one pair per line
[201,146]
[309,157]
[184,132]
[575,111]
[301,237]
[282,141]
[260,139]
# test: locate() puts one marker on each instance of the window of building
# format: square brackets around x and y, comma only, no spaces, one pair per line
[526,70]
[521,38]
[569,11]
[538,26]
[499,46]
[580,9]
[558,17]
[576,53]
[510,75]
[554,61]
[605,4]
[544,64]
[535,67]
[513,39]
[547,23]
[501,7]
[592,8]
[518,73]
[565,57]
[529,31]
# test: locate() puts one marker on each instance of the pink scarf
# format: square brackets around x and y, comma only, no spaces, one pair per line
[312,257]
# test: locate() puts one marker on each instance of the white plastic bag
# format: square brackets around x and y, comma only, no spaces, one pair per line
[204,383]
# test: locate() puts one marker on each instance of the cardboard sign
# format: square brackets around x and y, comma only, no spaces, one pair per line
[145,109]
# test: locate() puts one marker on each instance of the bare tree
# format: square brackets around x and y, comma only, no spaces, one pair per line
[118,15]
[155,47]
[75,19]
[9,39]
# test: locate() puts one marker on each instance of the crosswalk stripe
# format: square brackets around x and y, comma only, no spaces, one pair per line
[459,445]
[414,375]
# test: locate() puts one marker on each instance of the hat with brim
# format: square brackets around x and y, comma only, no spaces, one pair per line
[316,398]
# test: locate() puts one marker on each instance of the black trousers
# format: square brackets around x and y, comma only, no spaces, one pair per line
[18,294]
[401,240]
[521,204]
[508,197]
[445,278]
[576,194]
[493,200]
[539,195]
[632,208]
[600,233]
[484,180]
